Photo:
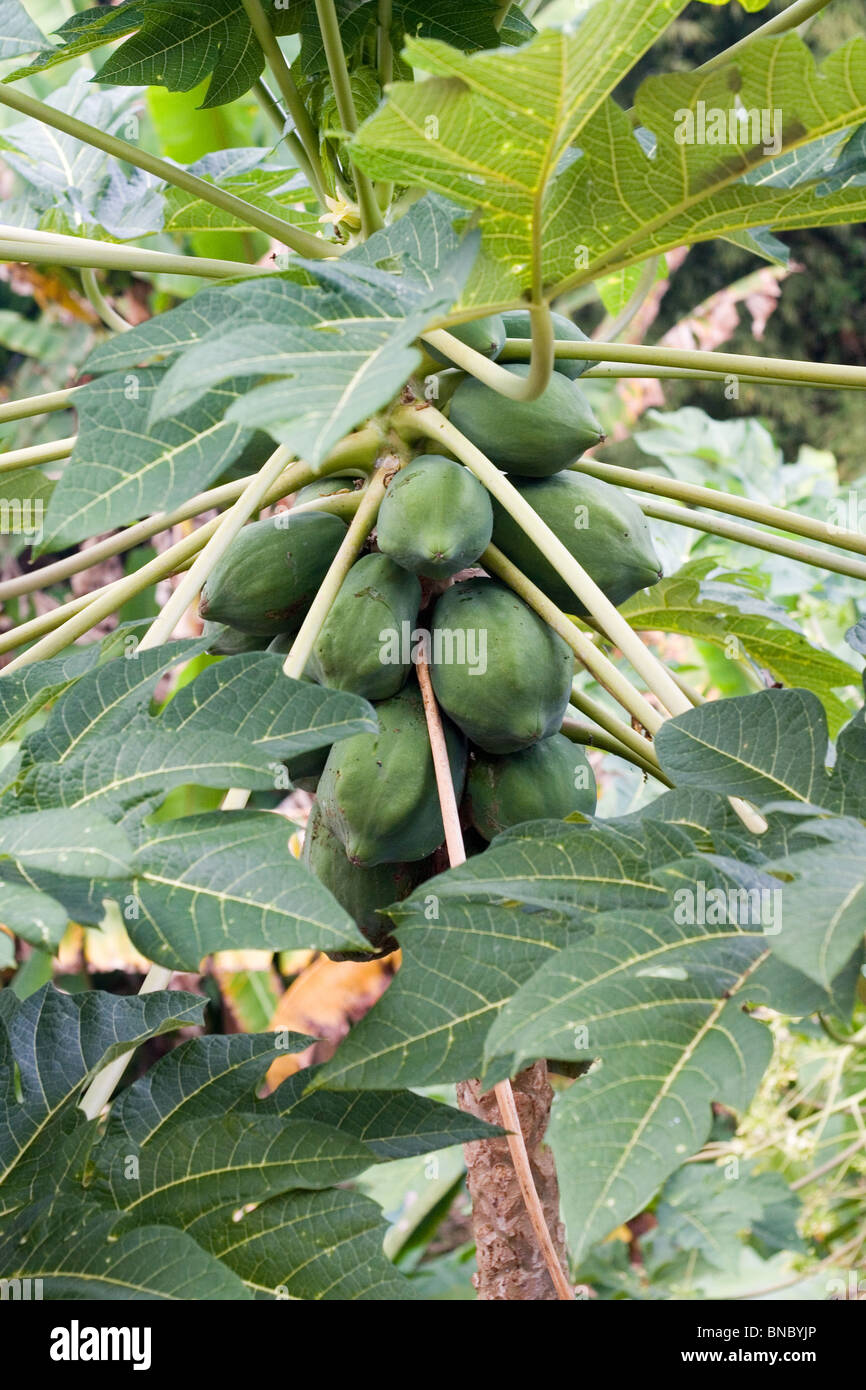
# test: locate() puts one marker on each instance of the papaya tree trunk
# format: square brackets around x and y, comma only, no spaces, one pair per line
[511,1265]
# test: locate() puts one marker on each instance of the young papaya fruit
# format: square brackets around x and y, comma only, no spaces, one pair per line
[435,518]
[605,531]
[545,782]
[498,671]
[326,487]
[230,641]
[532,438]
[518,324]
[268,577]
[378,794]
[363,892]
[375,600]
[486,335]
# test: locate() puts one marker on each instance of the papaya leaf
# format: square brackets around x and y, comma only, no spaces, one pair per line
[308,1245]
[467,27]
[166,335]
[227,881]
[84,846]
[18,33]
[333,355]
[32,915]
[104,700]
[120,769]
[651,999]
[250,697]
[489,130]
[396,1124]
[50,1044]
[187,1169]
[695,185]
[717,611]
[823,900]
[770,746]
[122,468]
[82,1253]
[172,43]
[209,1085]
[472,936]
[277,191]
[702,1217]
[56,165]
[23,693]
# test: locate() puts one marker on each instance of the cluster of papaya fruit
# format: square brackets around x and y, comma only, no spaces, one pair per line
[501,675]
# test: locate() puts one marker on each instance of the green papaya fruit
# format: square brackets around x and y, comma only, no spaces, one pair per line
[486,335]
[326,487]
[545,782]
[378,794]
[361,891]
[352,652]
[599,525]
[500,673]
[268,577]
[230,641]
[518,324]
[435,518]
[533,438]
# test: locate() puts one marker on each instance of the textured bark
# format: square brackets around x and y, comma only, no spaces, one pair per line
[510,1263]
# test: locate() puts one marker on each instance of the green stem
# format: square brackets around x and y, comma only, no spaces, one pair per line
[105,601]
[250,500]
[356,452]
[177,558]
[75,252]
[385,64]
[281,120]
[763,512]
[599,665]
[371,213]
[109,315]
[350,548]
[46,622]
[306,135]
[759,540]
[99,604]
[14,459]
[38,405]
[599,738]
[428,422]
[277,227]
[790,18]
[726,363]
[615,726]
[516,388]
